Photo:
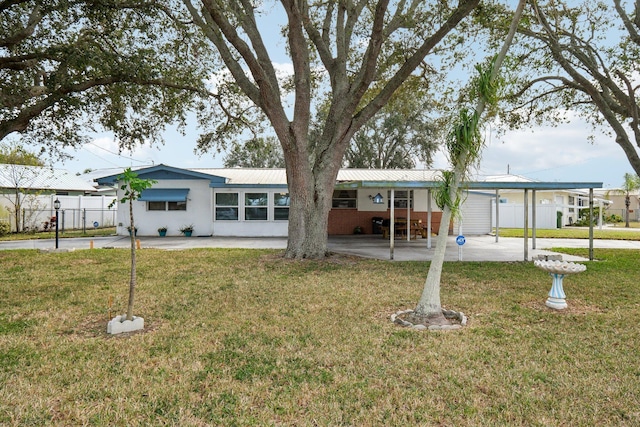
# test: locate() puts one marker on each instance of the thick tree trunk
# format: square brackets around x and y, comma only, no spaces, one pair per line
[311,195]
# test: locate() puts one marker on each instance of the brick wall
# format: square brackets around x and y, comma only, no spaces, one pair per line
[343,221]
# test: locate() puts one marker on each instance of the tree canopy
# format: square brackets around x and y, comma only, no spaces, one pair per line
[582,57]
[401,134]
[259,152]
[16,154]
[68,67]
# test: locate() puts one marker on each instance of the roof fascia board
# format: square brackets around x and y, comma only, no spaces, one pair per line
[161,168]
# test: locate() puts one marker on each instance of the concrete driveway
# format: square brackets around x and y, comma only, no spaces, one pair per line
[476,248]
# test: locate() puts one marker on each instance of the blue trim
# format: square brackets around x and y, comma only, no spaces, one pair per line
[164,195]
[163,172]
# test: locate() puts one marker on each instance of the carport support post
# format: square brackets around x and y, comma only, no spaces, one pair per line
[497,214]
[392,223]
[591,224]
[526,224]
[429,218]
[408,215]
[533,219]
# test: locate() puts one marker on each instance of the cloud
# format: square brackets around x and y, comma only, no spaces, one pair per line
[543,149]
[283,69]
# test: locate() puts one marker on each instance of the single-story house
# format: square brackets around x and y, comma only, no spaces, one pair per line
[255,202]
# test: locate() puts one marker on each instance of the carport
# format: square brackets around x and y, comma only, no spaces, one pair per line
[495,186]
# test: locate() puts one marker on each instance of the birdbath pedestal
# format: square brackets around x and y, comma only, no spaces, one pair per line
[557,270]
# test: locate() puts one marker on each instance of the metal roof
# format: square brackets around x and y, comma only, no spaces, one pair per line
[369,178]
[247,176]
[41,178]
[431,179]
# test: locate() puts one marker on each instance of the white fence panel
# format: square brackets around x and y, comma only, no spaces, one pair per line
[512,215]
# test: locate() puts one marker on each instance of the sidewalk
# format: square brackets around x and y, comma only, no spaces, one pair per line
[476,248]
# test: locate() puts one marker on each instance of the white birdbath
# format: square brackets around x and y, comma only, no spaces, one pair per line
[557,270]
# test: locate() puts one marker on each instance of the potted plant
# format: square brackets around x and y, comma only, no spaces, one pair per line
[135,230]
[132,186]
[187,230]
[162,231]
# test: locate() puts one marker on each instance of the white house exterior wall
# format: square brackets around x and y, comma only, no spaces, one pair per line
[420,201]
[198,211]
[366,204]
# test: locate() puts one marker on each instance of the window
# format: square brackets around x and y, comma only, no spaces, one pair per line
[166,206]
[344,199]
[177,206]
[281,206]
[572,202]
[156,206]
[226,206]
[402,199]
[165,199]
[255,206]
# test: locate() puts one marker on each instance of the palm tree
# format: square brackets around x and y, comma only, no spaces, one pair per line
[631,184]
[465,146]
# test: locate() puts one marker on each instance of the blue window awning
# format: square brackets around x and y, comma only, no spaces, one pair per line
[164,195]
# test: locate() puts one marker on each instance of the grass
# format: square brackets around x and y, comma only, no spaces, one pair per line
[632,224]
[575,233]
[89,232]
[243,337]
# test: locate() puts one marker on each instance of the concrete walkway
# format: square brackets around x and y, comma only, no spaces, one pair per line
[476,248]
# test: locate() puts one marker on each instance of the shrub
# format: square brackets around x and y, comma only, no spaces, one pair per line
[5,228]
[613,218]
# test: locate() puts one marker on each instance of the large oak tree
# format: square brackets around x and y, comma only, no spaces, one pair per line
[360,51]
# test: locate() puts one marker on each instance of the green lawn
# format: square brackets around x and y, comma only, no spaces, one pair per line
[575,233]
[89,232]
[244,337]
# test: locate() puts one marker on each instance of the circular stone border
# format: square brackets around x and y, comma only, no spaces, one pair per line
[448,314]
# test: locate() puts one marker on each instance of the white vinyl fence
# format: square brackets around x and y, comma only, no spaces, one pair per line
[76,212]
[512,215]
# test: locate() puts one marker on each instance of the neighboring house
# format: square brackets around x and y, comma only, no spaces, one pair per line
[548,202]
[32,189]
[255,202]
[617,206]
